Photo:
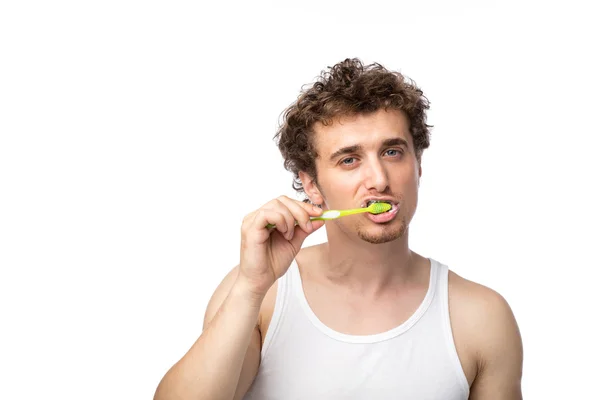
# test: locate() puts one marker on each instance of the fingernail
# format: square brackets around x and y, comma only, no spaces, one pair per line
[309,226]
[317,209]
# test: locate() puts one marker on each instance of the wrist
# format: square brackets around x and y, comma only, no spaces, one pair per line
[248,292]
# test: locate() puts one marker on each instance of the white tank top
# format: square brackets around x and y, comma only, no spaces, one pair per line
[303,359]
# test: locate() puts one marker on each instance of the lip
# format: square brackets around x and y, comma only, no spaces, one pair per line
[383,217]
[386,216]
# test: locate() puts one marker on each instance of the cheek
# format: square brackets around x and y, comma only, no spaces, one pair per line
[411,179]
[337,192]
[340,183]
[411,196]
[409,190]
[408,178]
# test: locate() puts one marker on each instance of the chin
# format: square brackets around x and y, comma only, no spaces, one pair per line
[383,233]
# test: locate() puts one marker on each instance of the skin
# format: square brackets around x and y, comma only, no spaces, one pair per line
[486,334]
[368,280]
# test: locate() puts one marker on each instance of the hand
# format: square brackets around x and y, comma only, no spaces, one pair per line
[266,254]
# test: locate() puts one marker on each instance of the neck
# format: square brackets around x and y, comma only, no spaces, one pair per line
[366,267]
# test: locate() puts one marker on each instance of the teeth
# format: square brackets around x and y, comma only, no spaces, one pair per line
[377,201]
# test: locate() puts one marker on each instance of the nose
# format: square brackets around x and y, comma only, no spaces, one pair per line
[375,176]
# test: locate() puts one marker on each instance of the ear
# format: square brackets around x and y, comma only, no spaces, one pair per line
[311,188]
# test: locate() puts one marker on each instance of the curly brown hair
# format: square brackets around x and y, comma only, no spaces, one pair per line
[348,88]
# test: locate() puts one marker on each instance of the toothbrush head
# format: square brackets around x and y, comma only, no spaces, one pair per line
[378,208]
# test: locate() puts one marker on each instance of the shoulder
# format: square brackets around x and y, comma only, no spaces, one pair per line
[485,330]
[482,309]
[475,297]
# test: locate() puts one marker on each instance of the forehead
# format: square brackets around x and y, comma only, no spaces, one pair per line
[367,130]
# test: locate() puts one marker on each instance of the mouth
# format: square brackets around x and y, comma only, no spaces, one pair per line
[367,203]
[385,216]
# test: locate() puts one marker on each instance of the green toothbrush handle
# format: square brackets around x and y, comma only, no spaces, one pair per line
[327,215]
[375,208]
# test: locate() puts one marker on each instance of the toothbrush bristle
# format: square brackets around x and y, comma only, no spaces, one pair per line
[378,208]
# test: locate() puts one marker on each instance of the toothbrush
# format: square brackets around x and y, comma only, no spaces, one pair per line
[374,208]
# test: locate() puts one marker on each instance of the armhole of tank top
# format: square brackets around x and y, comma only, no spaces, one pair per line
[452,352]
[280,300]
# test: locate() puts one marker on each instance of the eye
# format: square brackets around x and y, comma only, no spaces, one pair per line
[393,152]
[345,161]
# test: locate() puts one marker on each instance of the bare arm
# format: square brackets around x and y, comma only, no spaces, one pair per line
[500,363]
[224,360]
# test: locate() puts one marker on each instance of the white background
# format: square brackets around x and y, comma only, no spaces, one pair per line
[134,136]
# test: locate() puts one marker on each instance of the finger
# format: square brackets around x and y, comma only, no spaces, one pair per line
[300,235]
[288,219]
[312,210]
[294,210]
[317,224]
[265,217]
[300,213]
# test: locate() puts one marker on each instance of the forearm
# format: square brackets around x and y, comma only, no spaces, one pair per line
[211,368]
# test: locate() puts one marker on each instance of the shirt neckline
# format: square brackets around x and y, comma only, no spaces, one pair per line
[372,338]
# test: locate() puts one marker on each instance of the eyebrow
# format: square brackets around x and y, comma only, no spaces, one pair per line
[355,148]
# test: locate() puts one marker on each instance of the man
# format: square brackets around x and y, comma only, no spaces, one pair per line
[360,316]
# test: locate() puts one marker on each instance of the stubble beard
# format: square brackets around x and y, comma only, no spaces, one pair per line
[389,234]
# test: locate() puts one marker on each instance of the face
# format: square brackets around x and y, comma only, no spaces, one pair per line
[367,157]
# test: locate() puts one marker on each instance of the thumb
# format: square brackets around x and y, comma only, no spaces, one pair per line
[300,235]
